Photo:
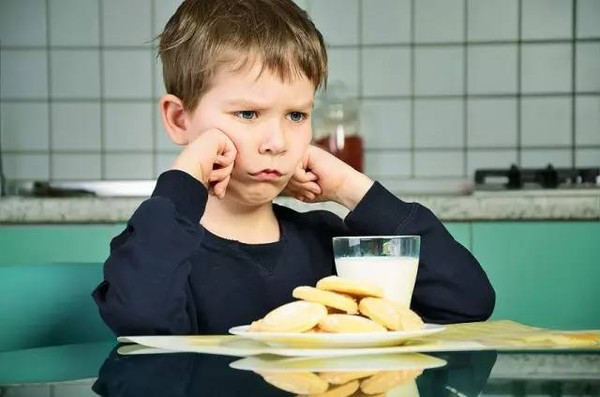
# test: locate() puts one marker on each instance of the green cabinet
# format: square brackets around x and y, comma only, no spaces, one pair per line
[545,273]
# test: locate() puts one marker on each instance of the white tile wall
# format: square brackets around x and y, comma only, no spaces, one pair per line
[76,166]
[24,126]
[128,166]
[24,74]
[541,158]
[492,122]
[128,126]
[164,9]
[498,158]
[75,74]
[23,23]
[395,15]
[385,71]
[439,164]
[385,124]
[547,19]
[546,121]
[588,15]
[386,164]
[546,68]
[26,166]
[587,121]
[337,20]
[439,20]
[439,123]
[370,55]
[588,67]
[127,74]
[492,69]
[492,19]
[430,78]
[126,22]
[343,67]
[587,157]
[76,126]
[69,16]
[164,161]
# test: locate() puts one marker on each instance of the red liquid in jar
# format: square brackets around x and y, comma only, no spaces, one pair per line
[351,153]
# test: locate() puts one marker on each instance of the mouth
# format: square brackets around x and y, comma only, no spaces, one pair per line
[267,175]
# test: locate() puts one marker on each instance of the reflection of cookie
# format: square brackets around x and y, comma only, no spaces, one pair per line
[296,382]
[298,316]
[346,323]
[339,378]
[328,298]
[352,287]
[339,391]
[390,314]
[385,381]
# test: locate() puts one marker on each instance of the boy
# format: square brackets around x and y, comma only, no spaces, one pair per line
[209,250]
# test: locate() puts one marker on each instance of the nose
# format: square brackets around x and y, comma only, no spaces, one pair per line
[274,141]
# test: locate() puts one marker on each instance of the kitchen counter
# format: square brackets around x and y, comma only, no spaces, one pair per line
[513,206]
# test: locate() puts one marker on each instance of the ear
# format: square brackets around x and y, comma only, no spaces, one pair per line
[175,119]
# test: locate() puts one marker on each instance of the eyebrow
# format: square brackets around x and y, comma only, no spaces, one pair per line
[246,104]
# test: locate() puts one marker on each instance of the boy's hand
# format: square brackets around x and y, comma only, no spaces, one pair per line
[209,158]
[322,177]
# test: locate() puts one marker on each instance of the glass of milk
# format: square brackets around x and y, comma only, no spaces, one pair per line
[388,261]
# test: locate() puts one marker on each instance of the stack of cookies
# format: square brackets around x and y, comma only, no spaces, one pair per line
[339,305]
[341,384]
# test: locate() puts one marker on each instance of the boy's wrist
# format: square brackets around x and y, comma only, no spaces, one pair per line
[353,189]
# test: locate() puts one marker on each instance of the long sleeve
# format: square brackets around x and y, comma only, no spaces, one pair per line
[451,285]
[145,288]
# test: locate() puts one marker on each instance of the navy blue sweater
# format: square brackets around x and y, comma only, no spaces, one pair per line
[166,274]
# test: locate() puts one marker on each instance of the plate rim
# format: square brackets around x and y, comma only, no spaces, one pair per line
[242,330]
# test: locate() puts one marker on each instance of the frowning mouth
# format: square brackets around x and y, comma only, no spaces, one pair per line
[267,174]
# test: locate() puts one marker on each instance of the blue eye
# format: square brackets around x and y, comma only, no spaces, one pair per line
[297,116]
[246,114]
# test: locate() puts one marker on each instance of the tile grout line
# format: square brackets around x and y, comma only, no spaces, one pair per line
[465,103]
[49,93]
[519,79]
[153,89]
[573,84]
[412,111]
[102,100]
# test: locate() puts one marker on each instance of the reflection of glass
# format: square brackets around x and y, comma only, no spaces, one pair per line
[336,126]
[394,374]
[388,261]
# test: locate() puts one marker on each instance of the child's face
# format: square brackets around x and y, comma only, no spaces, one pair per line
[268,121]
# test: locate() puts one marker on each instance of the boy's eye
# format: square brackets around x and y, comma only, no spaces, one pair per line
[297,116]
[246,114]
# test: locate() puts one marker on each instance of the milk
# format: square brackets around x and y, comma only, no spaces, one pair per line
[395,274]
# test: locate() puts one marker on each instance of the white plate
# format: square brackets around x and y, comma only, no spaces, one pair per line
[331,340]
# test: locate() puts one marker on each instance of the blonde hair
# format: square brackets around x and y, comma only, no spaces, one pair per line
[204,34]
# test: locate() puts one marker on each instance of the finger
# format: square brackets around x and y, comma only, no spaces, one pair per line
[221,187]
[309,196]
[221,173]
[303,176]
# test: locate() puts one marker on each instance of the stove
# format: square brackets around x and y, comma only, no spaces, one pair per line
[548,178]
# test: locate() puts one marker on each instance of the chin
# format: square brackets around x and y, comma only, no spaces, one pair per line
[256,193]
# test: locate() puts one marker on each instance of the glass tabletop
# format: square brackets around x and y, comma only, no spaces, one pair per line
[97,369]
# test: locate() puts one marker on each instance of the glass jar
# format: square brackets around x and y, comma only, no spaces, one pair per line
[336,125]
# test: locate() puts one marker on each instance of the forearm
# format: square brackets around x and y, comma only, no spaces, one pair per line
[353,189]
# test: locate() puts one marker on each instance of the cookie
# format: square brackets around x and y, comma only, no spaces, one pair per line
[330,299]
[296,382]
[390,314]
[298,316]
[339,378]
[351,287]
[387,380]
[347,323]
[340,391]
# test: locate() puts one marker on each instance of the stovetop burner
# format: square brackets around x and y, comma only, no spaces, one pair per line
[516,178]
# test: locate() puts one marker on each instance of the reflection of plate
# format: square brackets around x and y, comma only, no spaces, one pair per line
[372,362]
[331,340]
